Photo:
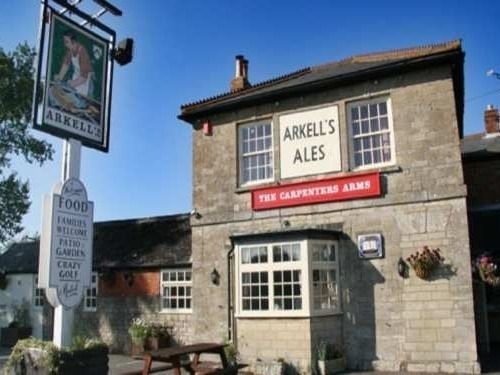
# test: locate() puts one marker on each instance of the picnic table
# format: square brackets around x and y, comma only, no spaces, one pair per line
[174,356]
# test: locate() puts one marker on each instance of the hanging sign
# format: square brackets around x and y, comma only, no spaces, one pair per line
[66,243]
[75,103]
[322,191]
[310,142]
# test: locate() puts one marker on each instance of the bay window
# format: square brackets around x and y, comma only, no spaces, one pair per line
[287,278]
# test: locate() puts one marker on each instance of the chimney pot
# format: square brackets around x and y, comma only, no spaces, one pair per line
[491,120]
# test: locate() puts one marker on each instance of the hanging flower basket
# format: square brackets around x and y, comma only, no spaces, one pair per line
[424,262]
[487,270]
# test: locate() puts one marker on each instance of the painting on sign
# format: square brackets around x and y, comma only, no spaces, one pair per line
[310,142]
[370,246]
[75,90]
[66,243]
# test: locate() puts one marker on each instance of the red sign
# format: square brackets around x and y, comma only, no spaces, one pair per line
[335,189]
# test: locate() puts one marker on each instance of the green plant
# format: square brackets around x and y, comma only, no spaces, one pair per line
[426,261]
[231,352]
[139,330]
[83,342]
[50,357]
[159,330]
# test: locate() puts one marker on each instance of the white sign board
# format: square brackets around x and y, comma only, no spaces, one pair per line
[310,142]
[66,243]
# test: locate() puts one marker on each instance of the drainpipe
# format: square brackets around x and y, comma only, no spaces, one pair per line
[230,311]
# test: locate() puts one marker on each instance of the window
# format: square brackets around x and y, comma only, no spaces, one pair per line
[90,296]
[273,278]
[255,153]
[176,290]
[38,294]
[370,128]
[324,279]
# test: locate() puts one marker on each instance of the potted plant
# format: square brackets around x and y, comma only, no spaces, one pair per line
[159,337]
[34,356]
[487,270]
[331,360]
[19,327]
[139,331]
[425,262]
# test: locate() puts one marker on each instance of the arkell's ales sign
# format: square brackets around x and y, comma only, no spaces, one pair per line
[66,243]
[310,142]
[75,98]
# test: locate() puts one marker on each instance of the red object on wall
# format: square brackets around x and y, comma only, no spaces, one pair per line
[207,128]
[302,193]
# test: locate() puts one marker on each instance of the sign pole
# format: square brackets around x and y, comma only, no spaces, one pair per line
[63,317]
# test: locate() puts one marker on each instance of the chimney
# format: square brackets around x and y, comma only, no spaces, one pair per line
[491,120]
[240,80]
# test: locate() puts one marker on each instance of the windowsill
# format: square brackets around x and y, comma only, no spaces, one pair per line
[283,316]
[353,172]
[177,312]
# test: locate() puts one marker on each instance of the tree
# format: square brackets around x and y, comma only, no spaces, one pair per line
[16,89]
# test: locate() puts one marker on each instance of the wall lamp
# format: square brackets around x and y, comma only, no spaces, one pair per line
[215,277]
[402,268]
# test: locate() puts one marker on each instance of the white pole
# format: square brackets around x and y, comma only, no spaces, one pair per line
[63,318]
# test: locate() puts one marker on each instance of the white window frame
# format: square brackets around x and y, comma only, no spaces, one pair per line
[171,283]
[325,266]
[241,171]
[304,265]
[38,295]
[88,295]
[373,100]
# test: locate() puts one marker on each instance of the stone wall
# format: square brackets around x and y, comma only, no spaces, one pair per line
[387,322]
[113,316]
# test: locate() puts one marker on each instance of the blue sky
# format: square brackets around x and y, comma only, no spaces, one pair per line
[185,51]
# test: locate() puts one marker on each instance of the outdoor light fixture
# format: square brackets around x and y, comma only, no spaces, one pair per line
[402,268]
[215,277]
[123,53]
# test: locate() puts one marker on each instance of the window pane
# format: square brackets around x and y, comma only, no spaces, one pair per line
[364,111]
[296,251]
[263,254]
[276,254]
[382,107]
[384,123]
[365,127]
[354,113]
[355,128]
[267,129]
[374,127]
[373,110]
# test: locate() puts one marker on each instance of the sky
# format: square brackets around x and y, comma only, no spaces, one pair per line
[184,51]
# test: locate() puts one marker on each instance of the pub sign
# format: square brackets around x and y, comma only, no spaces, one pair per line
[76,90]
